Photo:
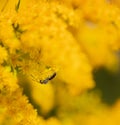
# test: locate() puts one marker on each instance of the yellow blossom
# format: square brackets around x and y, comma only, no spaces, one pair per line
[43,96]
[53,121]
[4,54]
[49,50]
[8,81]
[99,45]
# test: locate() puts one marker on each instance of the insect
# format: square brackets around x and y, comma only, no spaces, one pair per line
[45,81]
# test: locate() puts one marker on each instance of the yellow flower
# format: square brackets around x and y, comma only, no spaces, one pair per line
[99,45]
[53,121]
[43,96]
[64,39]
[4,54]
[7,35]
[8,81]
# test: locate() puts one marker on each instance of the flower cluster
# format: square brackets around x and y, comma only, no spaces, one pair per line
[65,39]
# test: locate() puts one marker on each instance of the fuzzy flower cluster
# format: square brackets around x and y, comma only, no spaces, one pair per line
[65,39]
